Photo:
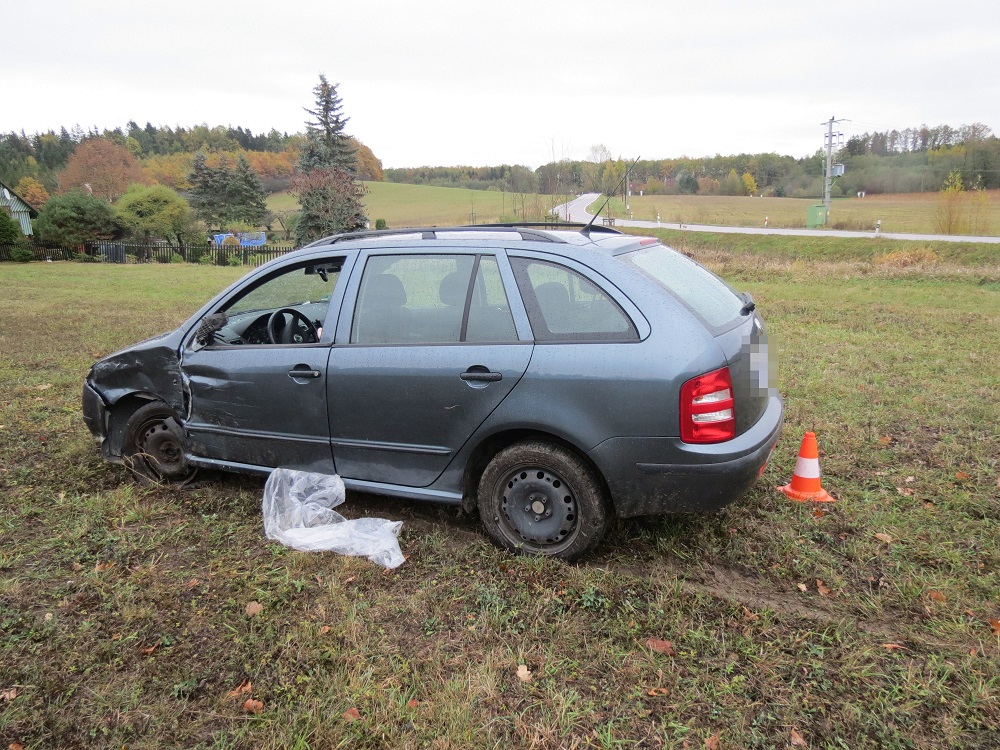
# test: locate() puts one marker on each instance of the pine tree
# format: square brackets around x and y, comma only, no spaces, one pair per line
[326,183]
[247,199]
[206,198]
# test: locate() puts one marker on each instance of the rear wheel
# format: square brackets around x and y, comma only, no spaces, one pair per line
[540,498]
[154,447]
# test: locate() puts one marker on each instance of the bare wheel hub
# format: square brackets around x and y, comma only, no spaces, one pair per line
[539,506]
[162,445]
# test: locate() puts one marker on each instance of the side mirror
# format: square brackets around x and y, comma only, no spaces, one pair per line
[210,325]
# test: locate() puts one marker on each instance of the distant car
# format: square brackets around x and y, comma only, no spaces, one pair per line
[549,377]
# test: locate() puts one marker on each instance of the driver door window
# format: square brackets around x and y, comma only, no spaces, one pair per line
[289,308]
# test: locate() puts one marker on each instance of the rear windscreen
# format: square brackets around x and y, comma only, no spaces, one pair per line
[697,287]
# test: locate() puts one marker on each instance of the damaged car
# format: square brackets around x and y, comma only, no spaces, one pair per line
[553,378]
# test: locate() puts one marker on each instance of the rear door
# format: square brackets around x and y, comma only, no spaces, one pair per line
[429,352]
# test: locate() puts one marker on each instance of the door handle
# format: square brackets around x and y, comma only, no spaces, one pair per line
[304,373]
[482,377]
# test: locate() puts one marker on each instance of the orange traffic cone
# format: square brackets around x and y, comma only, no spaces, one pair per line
[805,484]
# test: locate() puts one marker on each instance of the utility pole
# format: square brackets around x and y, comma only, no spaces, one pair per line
[828,182]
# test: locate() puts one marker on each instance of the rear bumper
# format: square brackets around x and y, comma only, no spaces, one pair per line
[649,476]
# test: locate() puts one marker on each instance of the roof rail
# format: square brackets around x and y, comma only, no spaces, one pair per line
[527,231]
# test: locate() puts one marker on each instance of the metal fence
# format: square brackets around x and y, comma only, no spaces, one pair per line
[131,252]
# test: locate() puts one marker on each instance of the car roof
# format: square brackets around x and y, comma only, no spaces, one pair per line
[602,238]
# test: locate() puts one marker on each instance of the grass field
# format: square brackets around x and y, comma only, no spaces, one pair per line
[870,623]
[421,205]
[424,205]
[911,212]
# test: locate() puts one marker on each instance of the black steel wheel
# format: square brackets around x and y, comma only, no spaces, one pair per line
[540,498]
[154,447]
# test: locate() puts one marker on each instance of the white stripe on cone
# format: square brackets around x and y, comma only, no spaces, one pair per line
[807,468]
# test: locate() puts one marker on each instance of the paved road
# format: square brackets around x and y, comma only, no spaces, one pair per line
[576,210]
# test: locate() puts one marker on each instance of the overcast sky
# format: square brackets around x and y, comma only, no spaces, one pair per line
[449,82]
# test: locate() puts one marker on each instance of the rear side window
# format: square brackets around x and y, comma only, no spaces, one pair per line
[697,287]
[564,305]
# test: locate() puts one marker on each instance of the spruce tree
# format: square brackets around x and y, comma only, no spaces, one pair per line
[326,183]
[248,201]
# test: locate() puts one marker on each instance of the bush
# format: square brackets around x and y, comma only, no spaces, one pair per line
[380,224]
[235,259]
[206,259]
[85,258]
[22,255]
[176,258]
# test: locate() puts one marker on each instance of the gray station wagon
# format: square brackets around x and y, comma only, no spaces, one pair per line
[550,377]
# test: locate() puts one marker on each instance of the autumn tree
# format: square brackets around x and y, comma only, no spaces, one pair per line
[749,184]
[948,218]
[732,185]
[75,218]
[32,192]
[102,168]
[327,184]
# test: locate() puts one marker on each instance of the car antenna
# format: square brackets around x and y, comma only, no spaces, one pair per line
[586,230]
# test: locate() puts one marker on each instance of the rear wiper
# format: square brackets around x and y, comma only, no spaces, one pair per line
[749,305]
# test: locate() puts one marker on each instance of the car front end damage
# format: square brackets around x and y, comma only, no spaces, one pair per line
[121,382]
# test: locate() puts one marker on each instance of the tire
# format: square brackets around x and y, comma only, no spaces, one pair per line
[540,498]
[153,448]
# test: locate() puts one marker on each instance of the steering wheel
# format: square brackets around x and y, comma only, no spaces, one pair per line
[291,332]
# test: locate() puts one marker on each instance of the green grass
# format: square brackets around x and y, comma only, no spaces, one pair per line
[911,212]
[424,205]
[122,609]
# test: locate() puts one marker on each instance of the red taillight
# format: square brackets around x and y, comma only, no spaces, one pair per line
[708,413]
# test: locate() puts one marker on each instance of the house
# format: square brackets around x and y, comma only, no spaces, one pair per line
[15,206]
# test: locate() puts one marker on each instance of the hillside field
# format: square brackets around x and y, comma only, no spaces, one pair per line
[420,205]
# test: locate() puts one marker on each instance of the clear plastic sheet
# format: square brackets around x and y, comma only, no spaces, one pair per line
[298,512]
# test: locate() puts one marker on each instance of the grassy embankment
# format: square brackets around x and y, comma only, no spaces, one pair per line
[865,624]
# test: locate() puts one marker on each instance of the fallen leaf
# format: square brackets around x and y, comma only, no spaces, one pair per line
[15,746]
[973,652]
[242,689]
[818,512]
[894,647]
[797,739]
[885,439]
[927,504]
[909,480]
[254,609]
[6,696]
[801,587]
[712,743]
[661,647]
[937,596]
[657,692]
[412,703]
[101,567]
[192,583]
[324,630]
[905,491]
[351,714]
[350,579]
[884,538]
[148,651]
[995,624]
[43,387]
[253,707]
[821,588]
[749,616]
[961,476]
[523,673]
